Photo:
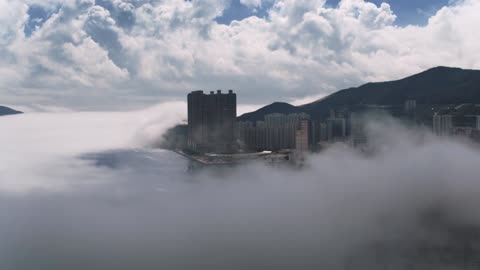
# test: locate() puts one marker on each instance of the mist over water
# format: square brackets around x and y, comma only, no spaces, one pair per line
[85,191]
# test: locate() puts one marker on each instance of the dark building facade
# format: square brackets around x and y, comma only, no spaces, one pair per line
[211,121]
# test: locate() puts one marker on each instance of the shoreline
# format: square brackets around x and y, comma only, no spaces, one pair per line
[234,159]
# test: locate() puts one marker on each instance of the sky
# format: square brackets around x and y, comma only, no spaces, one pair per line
[408,12]
[129,54]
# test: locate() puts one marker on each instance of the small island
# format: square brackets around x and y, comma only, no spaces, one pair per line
[8,111]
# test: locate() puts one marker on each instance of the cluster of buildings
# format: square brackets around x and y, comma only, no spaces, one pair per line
[276,132]
[213,127]
[458,120]
[298,132]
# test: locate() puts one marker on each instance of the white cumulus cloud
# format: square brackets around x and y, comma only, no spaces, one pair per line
[89,52]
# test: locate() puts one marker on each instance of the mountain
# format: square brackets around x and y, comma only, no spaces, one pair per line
[7,111]
[277,107]
[440,85]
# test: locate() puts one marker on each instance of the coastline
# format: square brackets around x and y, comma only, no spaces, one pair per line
[234,159]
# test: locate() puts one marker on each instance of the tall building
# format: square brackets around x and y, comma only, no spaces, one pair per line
[357,130]
[301,136]
[442,124]
[410,109]
[323,132]
[410,106]
[211,121]
[337,127]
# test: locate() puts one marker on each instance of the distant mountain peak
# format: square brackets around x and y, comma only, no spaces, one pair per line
[444,68]
[275,107]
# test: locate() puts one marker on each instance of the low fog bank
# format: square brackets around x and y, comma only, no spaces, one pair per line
[410,204]
[40,150]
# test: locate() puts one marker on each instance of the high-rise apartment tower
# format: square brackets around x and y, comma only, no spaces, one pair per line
[211,121]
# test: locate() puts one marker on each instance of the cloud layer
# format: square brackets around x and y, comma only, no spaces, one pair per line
[41,150]
[77,192]
[87,53]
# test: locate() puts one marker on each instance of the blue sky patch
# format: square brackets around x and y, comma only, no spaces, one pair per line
[408,12]
[37,16]
[237,11]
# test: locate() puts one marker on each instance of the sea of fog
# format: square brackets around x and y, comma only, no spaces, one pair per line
[89,191]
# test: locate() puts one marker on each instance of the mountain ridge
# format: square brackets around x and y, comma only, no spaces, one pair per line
[257,115]
[438,85]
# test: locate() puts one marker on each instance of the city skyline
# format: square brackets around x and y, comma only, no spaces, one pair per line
[213,125]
